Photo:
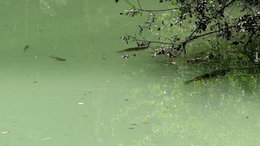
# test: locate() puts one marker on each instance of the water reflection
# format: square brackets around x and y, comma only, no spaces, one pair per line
[48,6]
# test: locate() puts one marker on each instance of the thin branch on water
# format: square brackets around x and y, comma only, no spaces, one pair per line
[156,42]
[161,10]
[139,4]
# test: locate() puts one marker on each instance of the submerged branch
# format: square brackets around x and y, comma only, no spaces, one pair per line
[156,42]
[209,75]
[133,49]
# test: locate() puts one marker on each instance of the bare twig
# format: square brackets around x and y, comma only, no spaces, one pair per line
[128,2]
[161,10]
[249,40]
[139,4]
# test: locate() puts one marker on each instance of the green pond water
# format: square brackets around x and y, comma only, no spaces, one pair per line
[97,98]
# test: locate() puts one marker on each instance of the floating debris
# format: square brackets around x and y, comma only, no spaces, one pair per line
[131,128]
[35,81]
[80,103]
[57,58]
[126,56]
[47,138]
[25,48]
[133,124]
[4,132]
[172,62]
[146,123]
[201,59]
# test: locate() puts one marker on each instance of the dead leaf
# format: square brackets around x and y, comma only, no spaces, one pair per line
[146,123]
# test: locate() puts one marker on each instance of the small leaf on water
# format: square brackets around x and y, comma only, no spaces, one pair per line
[146,123]
[26,47]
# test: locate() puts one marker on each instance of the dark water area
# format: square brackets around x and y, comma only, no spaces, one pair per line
[95,97]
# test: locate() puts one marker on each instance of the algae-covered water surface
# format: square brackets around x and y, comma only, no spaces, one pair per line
[64,83]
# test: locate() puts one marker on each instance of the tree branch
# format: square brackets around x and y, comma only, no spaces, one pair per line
[156,42]
[139,4]
[161,10]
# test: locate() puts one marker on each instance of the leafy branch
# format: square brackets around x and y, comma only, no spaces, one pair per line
[203,18]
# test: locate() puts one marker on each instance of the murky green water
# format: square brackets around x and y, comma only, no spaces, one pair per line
[97,98]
